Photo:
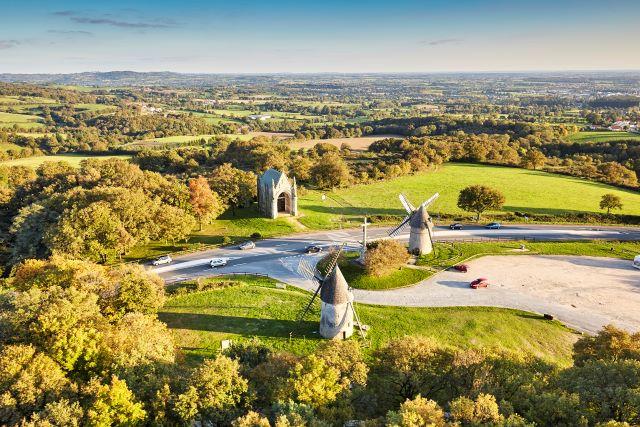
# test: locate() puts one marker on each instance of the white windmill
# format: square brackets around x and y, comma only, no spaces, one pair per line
[337,311]
[421,226]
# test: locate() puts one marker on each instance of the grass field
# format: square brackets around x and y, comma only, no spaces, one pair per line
[181,139]
[602,136]
[254,308]
[94,107]
[448,254]
[73,159]
[22,120]
[525,191]
[4,146]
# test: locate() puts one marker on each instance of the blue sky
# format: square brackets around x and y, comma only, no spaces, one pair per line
[318,36]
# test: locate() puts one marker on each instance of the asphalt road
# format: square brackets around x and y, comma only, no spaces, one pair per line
[270,255]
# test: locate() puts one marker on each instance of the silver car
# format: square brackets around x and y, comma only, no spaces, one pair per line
[218,262]
[246,245]
[164,259]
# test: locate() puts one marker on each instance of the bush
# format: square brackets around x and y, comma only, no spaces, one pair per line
[384,256]
[256,235]
[226,240]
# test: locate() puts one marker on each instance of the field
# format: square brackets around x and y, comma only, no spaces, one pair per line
[181,139]
[361,143]
[5,146]
[603,136]
[254,308]
[73,159]
[22,120]
[525,191]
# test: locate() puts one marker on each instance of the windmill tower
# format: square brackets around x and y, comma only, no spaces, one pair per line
[420,226]
[337,312]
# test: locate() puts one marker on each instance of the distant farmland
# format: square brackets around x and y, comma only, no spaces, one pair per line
[72,159]
[603,136]
[360,143]
[22,120]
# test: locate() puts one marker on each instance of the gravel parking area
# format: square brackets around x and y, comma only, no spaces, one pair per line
[583,292]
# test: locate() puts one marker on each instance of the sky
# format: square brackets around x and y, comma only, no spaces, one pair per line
[274,36]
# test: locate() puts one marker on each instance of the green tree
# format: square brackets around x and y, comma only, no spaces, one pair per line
[533,159]
[112,404]
[609,344]
[315,383]
[610,201]
[236,187]
[418,412]
[135,290]
[479,198]
[330,171]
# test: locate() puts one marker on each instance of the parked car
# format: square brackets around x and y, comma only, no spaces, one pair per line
[313,249]
[636,262]
[463,268]
[493,226]
[246,245]
[164,259]
[456,226]
[479,283]
[218,262]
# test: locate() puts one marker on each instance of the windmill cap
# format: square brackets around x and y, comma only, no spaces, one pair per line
[335,289]
[420,218]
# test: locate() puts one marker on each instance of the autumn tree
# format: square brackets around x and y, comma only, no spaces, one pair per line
[533,159]
[205,204]
[479,198]
[330,171]
[417,412]
[235,187]
[382,257]
[610,201]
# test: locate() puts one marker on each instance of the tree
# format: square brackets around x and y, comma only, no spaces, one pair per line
[217,390]
[479,198]
[251,419]
[417,412]
[610,201]
[134,290]
[533,159]
[29,380]
[205,204]
[610,343]
[236,187]
[315,383]
[484,410]
[113,404]
[384,256]
[330,171]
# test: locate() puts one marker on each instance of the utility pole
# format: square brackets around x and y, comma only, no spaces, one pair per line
[363,250]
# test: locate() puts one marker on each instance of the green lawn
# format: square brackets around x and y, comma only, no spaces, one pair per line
[357,277]
[73,159]
[255,308]
[525,191]
[448,254]
[22,120]
[94,107]
[602,136]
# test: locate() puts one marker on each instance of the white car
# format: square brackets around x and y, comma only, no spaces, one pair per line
[636,262]
[164,259]
[218,262]
[246,245]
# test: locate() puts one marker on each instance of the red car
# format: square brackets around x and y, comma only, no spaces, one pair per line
[479,283]
[463,268]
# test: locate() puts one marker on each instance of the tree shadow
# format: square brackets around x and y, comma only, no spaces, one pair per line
[355,210]
[272,328]
[545,211]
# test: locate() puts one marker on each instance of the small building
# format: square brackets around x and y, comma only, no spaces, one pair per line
[261,117]
[276,194]
[620,125]
[336,311]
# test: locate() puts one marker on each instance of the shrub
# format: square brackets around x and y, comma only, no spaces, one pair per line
[256,235]
[385,256]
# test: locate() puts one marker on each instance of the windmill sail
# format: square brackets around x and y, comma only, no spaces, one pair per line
[401,227]
[320,279]
[406,203]
[430,200]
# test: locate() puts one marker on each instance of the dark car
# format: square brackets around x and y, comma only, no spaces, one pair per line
[313,249]
[493,226]
[463,268]
[479,283]
[456,226]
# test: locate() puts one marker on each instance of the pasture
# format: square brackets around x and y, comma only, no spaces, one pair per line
[253,307]
[72,159]
[585,137]
[525,191]
[22,120]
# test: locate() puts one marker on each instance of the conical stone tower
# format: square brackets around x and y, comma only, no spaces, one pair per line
[336,315]
[420,232]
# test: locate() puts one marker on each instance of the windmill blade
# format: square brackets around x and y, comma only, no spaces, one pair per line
[400,227]
[406,203]
[430,200]
[334,259]
[305,270]
[313,298]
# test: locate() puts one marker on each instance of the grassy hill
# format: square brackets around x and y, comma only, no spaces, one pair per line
[252,307]
[525,191]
